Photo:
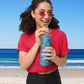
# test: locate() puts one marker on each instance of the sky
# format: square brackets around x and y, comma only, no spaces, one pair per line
[70,14]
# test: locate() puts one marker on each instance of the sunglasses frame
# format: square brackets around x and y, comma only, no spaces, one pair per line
[43,14]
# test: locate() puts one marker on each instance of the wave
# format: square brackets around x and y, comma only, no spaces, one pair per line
[62,68]
[68,61]
[75,61]
[72,68]
[10,67]
[9,61]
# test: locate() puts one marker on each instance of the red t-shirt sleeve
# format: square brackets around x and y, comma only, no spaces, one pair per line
[22,45]
[64,47]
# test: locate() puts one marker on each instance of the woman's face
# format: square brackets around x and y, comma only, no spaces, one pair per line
[42,14]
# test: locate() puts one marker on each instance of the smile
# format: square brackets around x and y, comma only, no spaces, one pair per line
[45,21]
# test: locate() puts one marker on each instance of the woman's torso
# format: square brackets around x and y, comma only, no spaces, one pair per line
[57,42]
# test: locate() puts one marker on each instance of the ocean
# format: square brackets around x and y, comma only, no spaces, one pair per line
[9,59]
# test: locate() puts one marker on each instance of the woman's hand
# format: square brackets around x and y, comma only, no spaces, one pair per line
[52,53]
[60,61]
[39,32]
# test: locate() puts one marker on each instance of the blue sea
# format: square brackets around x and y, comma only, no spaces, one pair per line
[9,59]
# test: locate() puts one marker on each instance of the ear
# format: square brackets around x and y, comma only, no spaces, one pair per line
[32,14]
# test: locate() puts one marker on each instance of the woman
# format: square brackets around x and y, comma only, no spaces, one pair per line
[35,21]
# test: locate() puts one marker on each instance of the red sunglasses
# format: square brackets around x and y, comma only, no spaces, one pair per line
[43,14]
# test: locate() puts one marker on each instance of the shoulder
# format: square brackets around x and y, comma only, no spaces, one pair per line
[23,35]
[59,32]
[26,35]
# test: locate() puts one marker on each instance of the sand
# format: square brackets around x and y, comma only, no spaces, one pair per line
[18,76]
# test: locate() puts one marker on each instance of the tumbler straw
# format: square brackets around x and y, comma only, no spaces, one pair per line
[47,27]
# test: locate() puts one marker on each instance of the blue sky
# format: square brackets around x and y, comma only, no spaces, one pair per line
[70,14]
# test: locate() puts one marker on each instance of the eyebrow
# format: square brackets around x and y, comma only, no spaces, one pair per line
[44,9]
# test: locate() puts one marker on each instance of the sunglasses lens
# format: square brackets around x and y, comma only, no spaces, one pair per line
[51,15]
[42,14]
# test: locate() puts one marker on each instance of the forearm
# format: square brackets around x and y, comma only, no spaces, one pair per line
[60,61]
[27,59]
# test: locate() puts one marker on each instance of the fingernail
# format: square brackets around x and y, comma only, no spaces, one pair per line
[46,47]
[45,58]
[42,50]
[43,54]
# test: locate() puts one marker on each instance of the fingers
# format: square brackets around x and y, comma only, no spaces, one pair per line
[46,54]
[52,53]
[49,58]
[47,51]
[51,49]
[46,30]
[41,33]
[42,30]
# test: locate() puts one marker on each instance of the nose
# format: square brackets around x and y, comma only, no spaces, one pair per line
[46,15]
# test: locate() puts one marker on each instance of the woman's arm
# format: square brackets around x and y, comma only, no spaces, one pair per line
[26,59]
[60,61]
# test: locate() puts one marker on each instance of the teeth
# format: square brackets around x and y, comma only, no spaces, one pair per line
[45,21]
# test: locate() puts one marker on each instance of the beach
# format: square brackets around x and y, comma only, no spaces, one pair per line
[11,73]
[18,76]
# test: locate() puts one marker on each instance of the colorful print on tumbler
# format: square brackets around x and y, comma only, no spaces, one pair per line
[46,41]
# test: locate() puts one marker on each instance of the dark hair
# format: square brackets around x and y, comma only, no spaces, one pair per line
[28,24]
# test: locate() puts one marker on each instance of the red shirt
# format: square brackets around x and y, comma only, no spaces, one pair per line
[59,43]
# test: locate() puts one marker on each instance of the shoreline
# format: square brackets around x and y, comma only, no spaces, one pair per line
[18,76]
[60,68]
